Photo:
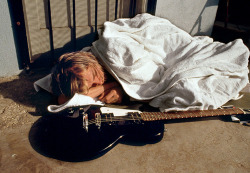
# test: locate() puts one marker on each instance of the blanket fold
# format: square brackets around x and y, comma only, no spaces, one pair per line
[154,60]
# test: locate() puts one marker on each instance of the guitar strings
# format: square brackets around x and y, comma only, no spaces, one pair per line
[114,119]
[109,118]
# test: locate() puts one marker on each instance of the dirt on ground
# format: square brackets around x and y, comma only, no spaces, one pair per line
[19,103]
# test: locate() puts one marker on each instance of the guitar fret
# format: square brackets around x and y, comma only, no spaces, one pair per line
[179,115]
[184,114]
[158,116]
[170,116]
[163,116]
[198,114]
[201,114]
[206,114]
[155,116]
[223,112]
[235,111]
[195,114]
[152,116]
[143,116]
[191,114]
[215,113]
[173,115]
[220,112]
[231,111]
[166,116]
[147,117]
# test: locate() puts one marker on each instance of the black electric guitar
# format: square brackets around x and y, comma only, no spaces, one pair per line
[143,126]
[117,117]
[97,130]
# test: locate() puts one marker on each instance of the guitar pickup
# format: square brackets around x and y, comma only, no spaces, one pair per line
[117,111]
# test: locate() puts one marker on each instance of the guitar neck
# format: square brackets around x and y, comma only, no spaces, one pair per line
[155,116]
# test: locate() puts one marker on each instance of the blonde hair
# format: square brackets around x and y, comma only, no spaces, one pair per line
[69,72]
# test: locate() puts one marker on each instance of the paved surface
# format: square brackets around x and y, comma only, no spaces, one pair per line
[26,139]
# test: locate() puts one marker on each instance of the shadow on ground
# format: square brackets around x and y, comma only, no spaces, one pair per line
[20,90]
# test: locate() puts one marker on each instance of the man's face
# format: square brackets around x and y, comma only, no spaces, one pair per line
[92,79]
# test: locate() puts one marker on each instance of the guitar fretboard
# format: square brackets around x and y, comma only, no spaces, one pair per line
[154,116]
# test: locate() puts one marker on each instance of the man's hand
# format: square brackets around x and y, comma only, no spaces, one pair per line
[98,90]
[110,92]
[113,95]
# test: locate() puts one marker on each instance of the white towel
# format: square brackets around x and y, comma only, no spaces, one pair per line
[44,83]
[78,100]
[154,60]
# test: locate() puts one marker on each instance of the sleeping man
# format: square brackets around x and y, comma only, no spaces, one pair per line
[152,60]
[80,72]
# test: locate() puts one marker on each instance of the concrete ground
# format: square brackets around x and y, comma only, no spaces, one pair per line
[197,146]
[31,140]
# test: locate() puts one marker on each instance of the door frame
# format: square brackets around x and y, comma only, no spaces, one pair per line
[19,32]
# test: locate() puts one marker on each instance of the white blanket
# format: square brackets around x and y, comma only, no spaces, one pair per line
[154,60]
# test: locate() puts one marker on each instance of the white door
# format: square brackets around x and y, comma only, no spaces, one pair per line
[36,14]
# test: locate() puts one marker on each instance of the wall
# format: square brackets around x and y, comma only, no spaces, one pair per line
[194,16]
[8,56]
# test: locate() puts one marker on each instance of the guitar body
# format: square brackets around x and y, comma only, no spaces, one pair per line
[100,141]
[64,138]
